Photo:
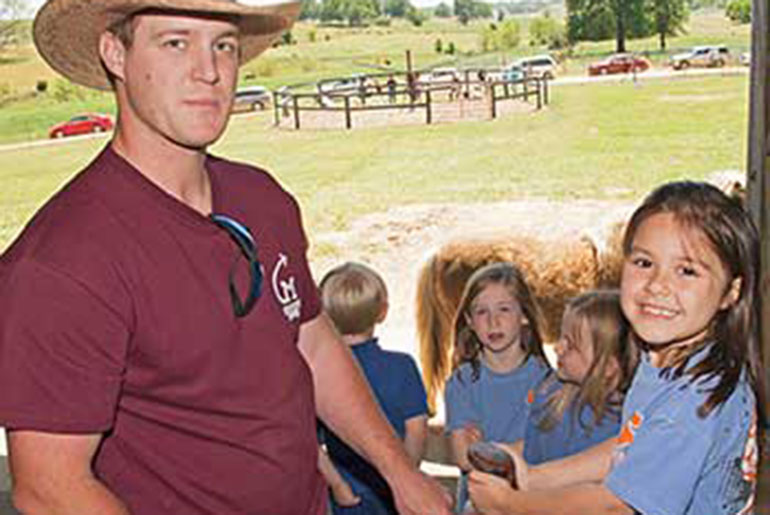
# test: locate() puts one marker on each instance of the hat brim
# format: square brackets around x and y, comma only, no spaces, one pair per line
[67,32]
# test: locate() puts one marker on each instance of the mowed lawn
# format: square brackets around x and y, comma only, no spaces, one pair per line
[603,141]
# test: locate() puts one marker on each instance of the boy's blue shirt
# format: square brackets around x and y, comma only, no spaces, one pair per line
[671,461]
[397,386]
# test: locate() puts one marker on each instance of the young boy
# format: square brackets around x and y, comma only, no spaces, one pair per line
[356,299]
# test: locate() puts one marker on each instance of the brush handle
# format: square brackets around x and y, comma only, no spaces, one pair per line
[492,459]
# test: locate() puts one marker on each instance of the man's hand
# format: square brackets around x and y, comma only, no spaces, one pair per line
[418,494]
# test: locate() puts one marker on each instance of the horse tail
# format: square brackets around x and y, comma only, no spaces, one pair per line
[434,320]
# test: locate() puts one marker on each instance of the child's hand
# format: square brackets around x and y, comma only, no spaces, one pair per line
[473,433]
[490,494]
[344,495]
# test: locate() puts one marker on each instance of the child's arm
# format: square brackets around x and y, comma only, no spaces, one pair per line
[591,465]
[416,437]
[460,440]
[492,495]
[340,488]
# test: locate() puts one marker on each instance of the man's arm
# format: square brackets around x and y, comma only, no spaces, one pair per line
[52,474]
[345,403]
[492,495]
[416,437]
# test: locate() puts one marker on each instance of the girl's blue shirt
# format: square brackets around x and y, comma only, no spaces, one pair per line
[497,403]
[574,433]
[670,461]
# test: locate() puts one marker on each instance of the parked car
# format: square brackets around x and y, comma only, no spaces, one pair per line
[745,59]
[81,124]
[513,73]
[252,98]
[702,56]
[543,66]
[441,75]
[619,63]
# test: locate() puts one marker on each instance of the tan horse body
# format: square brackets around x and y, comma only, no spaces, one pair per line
[556,270]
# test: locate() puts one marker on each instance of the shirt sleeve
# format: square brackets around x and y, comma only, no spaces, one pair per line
[413,391]
[657,472]
[460,408]
[62,352]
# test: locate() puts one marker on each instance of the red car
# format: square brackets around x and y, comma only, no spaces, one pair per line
[619,63]
[82,124]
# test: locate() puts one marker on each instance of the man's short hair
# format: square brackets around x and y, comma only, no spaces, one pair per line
[354,296]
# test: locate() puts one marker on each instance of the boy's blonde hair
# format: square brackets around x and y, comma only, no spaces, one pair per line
[354,296]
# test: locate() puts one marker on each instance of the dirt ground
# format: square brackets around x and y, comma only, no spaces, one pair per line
[399,241]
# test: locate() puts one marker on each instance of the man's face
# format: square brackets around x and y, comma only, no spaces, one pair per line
[178,78]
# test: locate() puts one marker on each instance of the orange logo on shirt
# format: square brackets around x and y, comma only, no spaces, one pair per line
[632,425]
[530,397]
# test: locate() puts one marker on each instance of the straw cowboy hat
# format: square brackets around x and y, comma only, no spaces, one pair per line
[67,32]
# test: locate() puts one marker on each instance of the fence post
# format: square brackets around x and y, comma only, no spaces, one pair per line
[545,92]
[540,93]
[493,101]
[428,114]
[526,89]
[295,101]
[347,112]
[277,120]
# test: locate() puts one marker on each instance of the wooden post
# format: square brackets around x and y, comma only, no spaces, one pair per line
[526,88]
[276,113]
[758,182]
[545,92]
[492,101]
[348,123]
[539,84]
[428,114]
[296,111]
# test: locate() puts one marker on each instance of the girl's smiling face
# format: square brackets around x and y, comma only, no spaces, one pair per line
[496,317]
[673,283]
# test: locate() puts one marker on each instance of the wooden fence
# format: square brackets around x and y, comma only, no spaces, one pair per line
[451,100]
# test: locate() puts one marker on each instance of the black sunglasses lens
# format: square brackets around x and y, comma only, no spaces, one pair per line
[241,235]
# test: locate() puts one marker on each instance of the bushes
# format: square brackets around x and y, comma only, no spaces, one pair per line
[502,37]
[739,11]
[547,31]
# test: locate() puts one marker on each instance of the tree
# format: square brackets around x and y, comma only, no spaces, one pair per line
[442,11]
[739,11]
[310,10]
[354,12]
[595,20]
[11,14]
[668,18]
[545,30]
[397,8]
[466,10]
[502,37]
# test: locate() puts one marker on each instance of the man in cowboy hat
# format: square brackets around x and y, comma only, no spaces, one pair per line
[162,348]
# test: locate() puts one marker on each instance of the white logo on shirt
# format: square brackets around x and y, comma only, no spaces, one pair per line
[285,290]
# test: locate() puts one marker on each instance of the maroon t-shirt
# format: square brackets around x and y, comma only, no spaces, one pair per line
[116,318]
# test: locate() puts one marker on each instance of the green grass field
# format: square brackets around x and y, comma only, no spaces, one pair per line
[593,141]
[326,52]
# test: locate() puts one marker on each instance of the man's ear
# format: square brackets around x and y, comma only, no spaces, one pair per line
[732,294]
[113,54]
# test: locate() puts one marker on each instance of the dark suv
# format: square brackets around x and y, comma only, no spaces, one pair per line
[252,98]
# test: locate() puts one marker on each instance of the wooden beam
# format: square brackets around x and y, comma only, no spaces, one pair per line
[758,180]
